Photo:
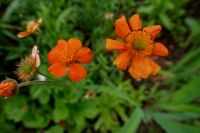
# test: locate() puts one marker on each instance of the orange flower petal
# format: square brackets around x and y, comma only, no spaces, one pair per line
[76,72]
[53,56]
[61,44]
[153,30]
[121,27]
[122,60]
[114,45]
[84,55]
[140,68]
[58,69]
[33,26]
[23,34]
[74,44]
[155,67]
[160,50]
[135,22]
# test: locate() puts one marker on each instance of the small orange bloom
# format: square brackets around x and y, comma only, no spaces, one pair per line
[65,58]
[32,27]
[137,48]
[8,87]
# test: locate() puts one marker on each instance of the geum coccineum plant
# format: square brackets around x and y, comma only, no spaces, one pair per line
[137,47]
[65,58]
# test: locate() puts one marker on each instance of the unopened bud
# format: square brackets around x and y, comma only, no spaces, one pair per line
[90,94]
[8,87]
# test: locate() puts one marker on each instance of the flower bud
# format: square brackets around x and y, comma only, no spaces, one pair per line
[8,87]
[90,94]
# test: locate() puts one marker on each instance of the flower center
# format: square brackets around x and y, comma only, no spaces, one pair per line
[69,57]
[140,43]
[66,56]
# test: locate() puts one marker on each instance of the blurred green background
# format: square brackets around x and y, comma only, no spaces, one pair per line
[165,103]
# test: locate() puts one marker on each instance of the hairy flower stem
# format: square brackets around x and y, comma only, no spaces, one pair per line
[35,82]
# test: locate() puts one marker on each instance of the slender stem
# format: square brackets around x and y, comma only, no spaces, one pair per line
[35,82]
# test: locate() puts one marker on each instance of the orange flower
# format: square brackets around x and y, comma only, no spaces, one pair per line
[137,47]
[32,27]
[64,58]
[8,87]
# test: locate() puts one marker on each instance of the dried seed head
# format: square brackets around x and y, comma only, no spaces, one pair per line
[26,69]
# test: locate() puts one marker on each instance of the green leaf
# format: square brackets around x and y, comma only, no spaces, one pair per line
[116,92]
[186,59]
[180,107]
[180,116]
[10,9]
[42,93]
[132,124]
[61,110]
[55,129]
[60,113]
[34,119]
[16,108]
[193,25]
[166,21]
[188,92]
[171,126]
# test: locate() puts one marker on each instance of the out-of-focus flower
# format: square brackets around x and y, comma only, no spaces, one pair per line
[27,67]
[108,15]
[90,94]
[32,27]
[137,48]
[65,58]
[8,87]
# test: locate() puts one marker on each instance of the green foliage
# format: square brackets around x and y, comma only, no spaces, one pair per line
[170,100]
[171,126]
[133,123]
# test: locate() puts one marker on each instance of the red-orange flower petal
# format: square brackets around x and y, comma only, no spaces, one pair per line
[53,55]
[122,60]
[153,30]
[155,67]
[84,55]
[61,44]
[121,27]
[160,50]
[140,68]
[135,22]
[114,45]
[23,34]
[58,69]
[74,44]
[76,72]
